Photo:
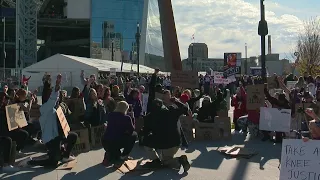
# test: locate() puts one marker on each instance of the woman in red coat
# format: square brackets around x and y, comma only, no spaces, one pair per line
[239,102]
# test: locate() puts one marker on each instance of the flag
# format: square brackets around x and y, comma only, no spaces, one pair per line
[192,38]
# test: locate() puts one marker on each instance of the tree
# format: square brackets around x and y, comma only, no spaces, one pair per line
[308,48]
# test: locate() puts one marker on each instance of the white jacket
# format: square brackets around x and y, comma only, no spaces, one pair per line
[48,118]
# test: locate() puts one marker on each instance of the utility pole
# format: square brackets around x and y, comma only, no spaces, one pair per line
[138,35]
[112,53]
[4,47]
[192,67]
[246,62]
[263,32]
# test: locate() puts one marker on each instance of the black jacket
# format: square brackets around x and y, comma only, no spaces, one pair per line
[161,130]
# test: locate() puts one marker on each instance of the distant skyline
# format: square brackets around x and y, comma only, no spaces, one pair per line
[226,25]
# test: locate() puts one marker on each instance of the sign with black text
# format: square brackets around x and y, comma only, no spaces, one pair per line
[231,71]
[300,160]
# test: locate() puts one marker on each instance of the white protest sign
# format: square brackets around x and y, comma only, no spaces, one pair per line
[113,71]
[300,160]
[291,84]
[219,78]
[144,101]
[273,119]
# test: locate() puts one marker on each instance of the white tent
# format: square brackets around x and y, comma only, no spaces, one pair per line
[70,67]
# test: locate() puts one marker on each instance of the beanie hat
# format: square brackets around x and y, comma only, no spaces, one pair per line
[184,98]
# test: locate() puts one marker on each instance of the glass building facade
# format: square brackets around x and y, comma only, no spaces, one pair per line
[114,28]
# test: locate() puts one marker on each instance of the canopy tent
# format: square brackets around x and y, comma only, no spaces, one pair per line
[70,67]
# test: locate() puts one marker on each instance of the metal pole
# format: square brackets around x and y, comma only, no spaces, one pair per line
[246,62]
[263,31]
[112,54]
[192,56]
[138,48]
[4,48]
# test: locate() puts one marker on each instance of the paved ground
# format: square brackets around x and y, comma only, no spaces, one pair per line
[206,162]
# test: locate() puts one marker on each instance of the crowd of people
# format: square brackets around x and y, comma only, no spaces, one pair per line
[119,103]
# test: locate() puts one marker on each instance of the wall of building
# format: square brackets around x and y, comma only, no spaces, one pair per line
[78,9]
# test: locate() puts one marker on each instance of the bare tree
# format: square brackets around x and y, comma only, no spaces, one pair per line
[308,47]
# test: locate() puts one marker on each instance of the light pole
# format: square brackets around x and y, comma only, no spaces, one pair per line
[246,62]
[112,53]
[4,47]
[191,56]
[263,31]
[138,35]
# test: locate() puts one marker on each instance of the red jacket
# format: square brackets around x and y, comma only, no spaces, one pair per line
[240,107]
[254,115]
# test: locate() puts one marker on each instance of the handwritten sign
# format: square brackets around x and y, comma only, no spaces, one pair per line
[231,71]
[113,71]
[220,79]
[300,160]
[273,119]
[255,97]
[63,122]
[185,79]
[15,117]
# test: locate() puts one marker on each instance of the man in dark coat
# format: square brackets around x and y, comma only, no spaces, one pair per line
[162,133]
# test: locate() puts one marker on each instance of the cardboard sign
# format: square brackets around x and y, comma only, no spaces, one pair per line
[255,96]
[15,117]
[83,144]
[224,127]
[185,79]
[96,134]
[300,160]
[63,122]
[187,127]
[272,83]
[206,131]
[273,119]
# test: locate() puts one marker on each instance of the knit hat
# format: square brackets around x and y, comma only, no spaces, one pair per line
[184,98]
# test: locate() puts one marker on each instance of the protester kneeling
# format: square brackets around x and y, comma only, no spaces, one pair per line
[59,147]
[118,134]
[162,134]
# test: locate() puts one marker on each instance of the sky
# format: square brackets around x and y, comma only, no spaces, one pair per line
[226,25]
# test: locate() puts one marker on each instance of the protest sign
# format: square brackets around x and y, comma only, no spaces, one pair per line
[185,79]
[291,84]
[231,71]
[63,122]
[220,79]
[144,102]
[113,71]
[15,117]
[300,160]
[273,119]
[255,96]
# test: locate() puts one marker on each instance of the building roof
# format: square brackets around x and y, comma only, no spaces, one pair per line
[105,65]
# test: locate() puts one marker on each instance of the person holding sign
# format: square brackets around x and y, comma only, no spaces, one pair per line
[314,125]
[53,134]
[18,135]
[280,103]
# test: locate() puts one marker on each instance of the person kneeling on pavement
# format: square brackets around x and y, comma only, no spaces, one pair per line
[118,134]
[162,134]
[52,134]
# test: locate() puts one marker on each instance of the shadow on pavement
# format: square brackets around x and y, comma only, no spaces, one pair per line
[94,172]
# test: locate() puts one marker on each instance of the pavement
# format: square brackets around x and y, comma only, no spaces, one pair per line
[206,164]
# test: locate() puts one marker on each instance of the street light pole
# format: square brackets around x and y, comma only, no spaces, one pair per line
[192,56]
[138,35]
[4,47]
[246,62]
[263,32]
[112,53]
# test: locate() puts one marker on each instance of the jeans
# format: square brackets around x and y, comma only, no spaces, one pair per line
[5,149]
[54,150]
[20,136]
[112,147]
